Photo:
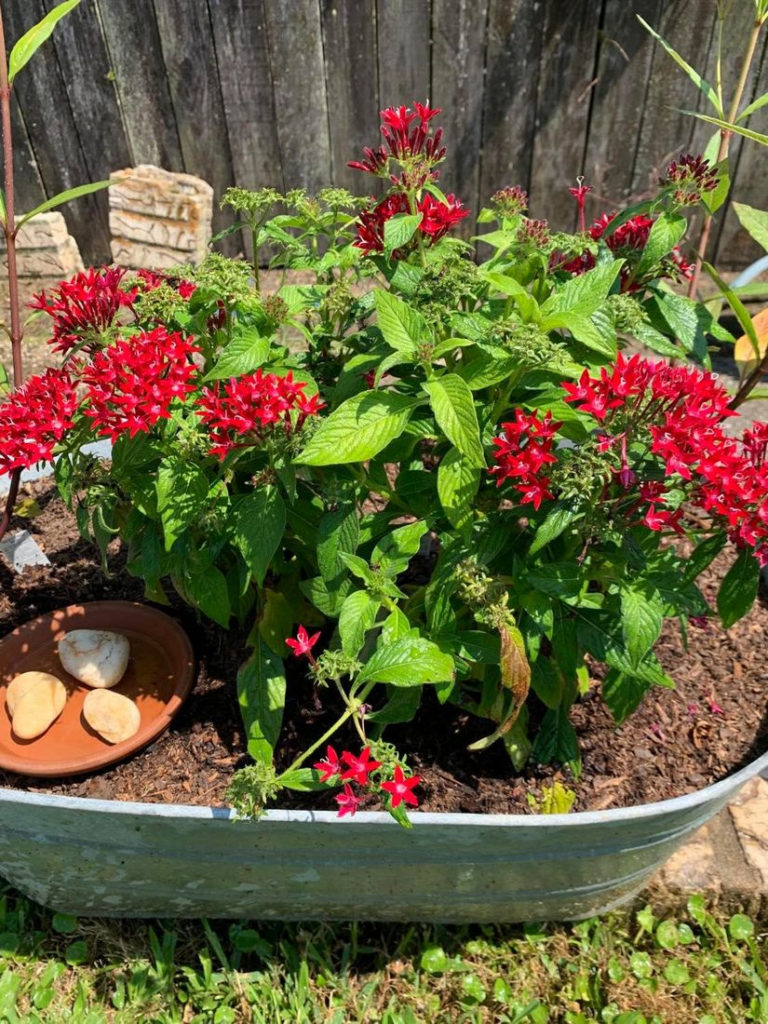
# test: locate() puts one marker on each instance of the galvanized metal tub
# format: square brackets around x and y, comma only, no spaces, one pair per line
[116,859]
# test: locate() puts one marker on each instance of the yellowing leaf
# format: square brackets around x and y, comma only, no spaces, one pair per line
[744,351]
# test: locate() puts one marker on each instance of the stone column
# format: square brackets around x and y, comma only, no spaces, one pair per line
[46,254]
[157,219]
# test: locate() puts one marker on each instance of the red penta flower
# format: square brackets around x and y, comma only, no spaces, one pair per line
[152,279]
[627,241]
[359,767]
[437,219]
[131,384]
[347,800]
[523,448]
[241,412]
[34,417]
[303,644]
[85,305]
[401,788]
[510,201]
[330,766]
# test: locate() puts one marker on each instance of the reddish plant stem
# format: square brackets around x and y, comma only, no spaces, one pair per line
[9,229]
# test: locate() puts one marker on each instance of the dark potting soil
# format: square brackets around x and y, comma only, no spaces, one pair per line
[678,741]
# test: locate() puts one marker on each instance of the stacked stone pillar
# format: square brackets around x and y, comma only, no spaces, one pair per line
[157,219]
[46,254]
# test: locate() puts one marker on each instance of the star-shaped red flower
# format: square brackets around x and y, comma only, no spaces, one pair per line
[303,643]
[359,767]
[400,788]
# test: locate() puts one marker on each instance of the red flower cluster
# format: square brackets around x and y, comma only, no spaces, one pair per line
[628,241]
[131,384]
[153,279]
[679,411]
[89,302]
[437,219]
[358,769]
[34,417]
[406,135]
[522,450]
[239,411]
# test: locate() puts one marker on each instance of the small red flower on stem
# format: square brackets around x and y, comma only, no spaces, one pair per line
[580,192]
[348,801]
[331,765]
[303,644]
[359,767]
[401,788]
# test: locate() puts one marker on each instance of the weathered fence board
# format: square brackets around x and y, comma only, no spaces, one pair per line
[623,69]
[513,51]
[193,78]
[349,48]
[404,52]
[298,79]
[285,92]
[136,62]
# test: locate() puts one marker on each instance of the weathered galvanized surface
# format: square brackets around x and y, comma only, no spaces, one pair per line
[135,860]
[284,92]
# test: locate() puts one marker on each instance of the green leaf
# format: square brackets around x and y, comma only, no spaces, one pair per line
[359,429]
[715,198]
[261,696]
[182,492]
[207,590]
[701,83]
[739,588]
[585,331]
[337,531]
[623,693]
[399,230]
[729,127]
[556,741]
[276,621]
[702,556]
[257,522]
[403,328]
[245,353]
[641,620]
[303,780]
[738,307]
[395,550]
[741,928]
[665,233]
[326,601]
[64,197]
[556,522]
[582,294]
[754,222]
[454,409]
[457,484]
[357,616]
[33,39]
[402,705]
[410,661]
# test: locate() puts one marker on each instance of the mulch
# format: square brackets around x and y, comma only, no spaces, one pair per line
[678,741]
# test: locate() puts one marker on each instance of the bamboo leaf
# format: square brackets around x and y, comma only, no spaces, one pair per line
[64,197]
[32,40]
[701,83]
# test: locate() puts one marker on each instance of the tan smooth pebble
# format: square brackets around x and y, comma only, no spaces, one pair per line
[34,704]
[20,684]
[113,716]
[96,657]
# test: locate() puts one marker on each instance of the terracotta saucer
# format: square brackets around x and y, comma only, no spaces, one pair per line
[159,676]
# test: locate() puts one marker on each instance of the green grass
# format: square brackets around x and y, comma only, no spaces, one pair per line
[628,968]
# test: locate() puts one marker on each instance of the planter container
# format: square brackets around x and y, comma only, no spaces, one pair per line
[96,857]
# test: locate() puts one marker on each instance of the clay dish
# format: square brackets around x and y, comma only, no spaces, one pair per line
[159,676]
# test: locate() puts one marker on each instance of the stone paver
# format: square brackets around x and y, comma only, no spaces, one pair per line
[727,859]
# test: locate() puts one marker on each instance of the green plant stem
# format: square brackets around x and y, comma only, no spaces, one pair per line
[352,710]
[9,229]
[722,152]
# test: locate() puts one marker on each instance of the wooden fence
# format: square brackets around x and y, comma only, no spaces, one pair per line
[284,92]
